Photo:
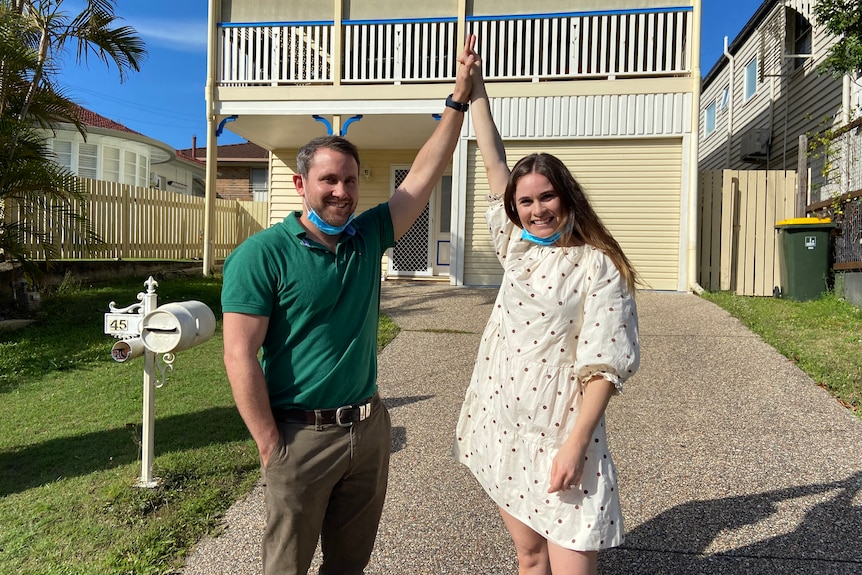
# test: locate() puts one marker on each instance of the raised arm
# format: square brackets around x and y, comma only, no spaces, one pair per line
[410,198]
[487,136]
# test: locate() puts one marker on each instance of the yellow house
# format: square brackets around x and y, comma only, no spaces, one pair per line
[611,88]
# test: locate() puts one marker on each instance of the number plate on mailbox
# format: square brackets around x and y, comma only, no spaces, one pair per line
[122,324]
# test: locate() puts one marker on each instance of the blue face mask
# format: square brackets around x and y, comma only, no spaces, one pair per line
[327,229]
[550,240]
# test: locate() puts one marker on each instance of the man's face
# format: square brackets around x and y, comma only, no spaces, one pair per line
[331,188]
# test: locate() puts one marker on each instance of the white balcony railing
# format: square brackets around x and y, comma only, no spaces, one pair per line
[545,47]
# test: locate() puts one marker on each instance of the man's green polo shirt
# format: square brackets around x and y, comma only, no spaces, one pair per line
[320,350]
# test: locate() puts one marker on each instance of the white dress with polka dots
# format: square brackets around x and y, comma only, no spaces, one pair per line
[562,316]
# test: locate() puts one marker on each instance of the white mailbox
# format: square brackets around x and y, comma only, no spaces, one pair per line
[127,349]
[177,326]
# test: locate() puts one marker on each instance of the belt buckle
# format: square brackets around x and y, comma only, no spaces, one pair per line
[340,412]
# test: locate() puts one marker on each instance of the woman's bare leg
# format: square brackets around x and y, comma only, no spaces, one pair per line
[531,547]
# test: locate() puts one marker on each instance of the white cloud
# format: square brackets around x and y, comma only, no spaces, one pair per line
[180,35]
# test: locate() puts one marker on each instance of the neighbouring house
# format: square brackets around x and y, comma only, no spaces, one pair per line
[766,91]
[242,173]
[611,87]
[113,152]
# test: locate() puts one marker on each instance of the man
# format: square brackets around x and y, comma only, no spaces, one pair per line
[307,292]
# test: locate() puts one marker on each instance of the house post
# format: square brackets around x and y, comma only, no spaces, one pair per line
[690,260]
[802,178]
[212,144]
[337,43]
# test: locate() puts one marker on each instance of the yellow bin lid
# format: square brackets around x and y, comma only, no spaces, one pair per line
[795,221]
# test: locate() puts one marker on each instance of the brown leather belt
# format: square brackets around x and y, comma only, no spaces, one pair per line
[345,416]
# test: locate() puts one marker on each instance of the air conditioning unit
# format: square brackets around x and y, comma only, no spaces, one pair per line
[754,145]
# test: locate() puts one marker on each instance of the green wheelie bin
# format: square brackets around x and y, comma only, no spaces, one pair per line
[803,253]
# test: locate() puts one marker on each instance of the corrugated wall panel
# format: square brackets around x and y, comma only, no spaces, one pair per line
[638,199]
[592,116]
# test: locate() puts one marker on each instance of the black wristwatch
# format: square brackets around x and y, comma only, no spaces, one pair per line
[456,105]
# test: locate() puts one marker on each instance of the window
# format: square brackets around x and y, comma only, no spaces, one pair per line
[143,171]
[709,120]
[63,153]
[259,185]
[110,164]
[100,161]
[750,85]
[130,166]
[88,161]
[801,37]
[724,99]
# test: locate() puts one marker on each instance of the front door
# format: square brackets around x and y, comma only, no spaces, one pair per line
[424,250]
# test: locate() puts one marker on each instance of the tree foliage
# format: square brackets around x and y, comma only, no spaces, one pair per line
[843,19]
[34,37]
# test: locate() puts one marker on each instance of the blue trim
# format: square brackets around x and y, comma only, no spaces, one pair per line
[325,122]
[570,14]
[347,123]
[261,24]
[221,124]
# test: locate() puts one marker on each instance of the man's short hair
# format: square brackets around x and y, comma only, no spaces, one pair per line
[305,156]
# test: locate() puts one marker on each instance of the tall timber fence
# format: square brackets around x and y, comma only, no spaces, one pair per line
[143,223]
[737,243]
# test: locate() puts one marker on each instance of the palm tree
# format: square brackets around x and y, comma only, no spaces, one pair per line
[45,197]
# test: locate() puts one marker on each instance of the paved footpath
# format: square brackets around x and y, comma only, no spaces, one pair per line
[731,460]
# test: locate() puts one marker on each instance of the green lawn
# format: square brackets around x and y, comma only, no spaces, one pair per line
[823,337]
[70,436]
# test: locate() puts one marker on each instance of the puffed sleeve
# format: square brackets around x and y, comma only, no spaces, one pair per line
[500,227]
[608,342]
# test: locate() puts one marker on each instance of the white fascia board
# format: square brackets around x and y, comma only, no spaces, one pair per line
[305,107]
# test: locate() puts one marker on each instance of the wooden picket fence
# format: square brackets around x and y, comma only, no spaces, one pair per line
[737,241]
[146,223]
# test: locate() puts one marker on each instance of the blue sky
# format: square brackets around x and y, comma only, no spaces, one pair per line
[165,100]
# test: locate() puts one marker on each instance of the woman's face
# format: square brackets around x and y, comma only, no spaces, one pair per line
[538,205]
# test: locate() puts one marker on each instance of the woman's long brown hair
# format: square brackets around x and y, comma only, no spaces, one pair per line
[580,223]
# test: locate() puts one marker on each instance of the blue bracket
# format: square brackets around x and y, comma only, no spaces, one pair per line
[437,117]
[221,124]
[325,122]
[348,122]
[328,125]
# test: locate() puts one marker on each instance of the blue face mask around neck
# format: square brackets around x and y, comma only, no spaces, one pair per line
[327,229]
[550,240]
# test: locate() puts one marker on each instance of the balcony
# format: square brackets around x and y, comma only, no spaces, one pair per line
[276,78]
[637,43]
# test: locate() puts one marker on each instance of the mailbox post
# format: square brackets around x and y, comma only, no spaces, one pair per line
[146,329]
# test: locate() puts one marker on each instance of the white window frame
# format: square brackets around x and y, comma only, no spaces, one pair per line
[709,119]
[749,89]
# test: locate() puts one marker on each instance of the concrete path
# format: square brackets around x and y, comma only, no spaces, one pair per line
[731,460]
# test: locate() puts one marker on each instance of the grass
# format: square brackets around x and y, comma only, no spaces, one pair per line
[822,337]
[70,441]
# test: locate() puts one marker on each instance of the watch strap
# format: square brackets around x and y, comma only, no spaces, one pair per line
[451,103]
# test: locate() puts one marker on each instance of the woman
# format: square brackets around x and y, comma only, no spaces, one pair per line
[561,339]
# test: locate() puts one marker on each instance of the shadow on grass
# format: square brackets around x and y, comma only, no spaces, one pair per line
[36,465]
[826,540]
